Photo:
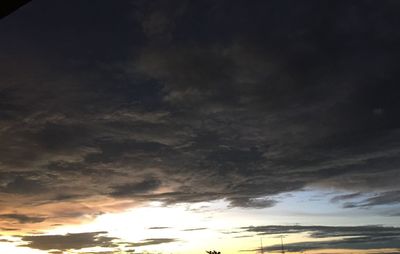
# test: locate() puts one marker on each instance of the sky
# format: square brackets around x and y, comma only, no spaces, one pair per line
[184,126]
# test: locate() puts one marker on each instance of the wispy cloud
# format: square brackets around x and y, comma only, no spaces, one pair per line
[153,241]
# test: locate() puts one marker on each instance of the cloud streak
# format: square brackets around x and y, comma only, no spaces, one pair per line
[333,237]
[153,241]
[21,218]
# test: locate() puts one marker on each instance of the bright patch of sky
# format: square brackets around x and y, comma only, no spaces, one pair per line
[216,225]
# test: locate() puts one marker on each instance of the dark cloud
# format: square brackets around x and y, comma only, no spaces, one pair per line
[194,229]
[22,218]
[159,227]
[339,198]
[353,243]
[325,231]
[136,188]
[170,198]
[153,241]
[252,202]
[195,101]
[355,237]
[22,185]
[9,229]
[69,241]
[384,198]
[5,241]
[280,116]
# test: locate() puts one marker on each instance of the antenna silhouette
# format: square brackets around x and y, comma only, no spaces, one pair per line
[262,248]
[283,250]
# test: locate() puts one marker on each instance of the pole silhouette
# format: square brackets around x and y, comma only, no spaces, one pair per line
[262,248]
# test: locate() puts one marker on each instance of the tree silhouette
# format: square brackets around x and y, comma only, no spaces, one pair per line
[213,252]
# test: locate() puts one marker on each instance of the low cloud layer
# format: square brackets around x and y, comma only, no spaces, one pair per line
[194,101]
[357,237]
[78,241]
[69,241]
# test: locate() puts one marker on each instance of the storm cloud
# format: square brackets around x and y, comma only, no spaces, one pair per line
[195,101]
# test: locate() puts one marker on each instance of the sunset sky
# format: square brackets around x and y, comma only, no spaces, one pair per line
[180,126]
